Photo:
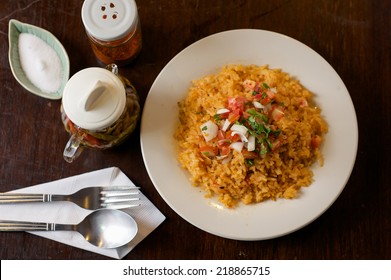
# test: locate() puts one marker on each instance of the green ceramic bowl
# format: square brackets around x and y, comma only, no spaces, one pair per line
[15,29]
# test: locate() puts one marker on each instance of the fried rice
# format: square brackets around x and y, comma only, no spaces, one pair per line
[287,145]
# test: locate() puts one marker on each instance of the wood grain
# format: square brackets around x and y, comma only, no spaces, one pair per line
[353,36]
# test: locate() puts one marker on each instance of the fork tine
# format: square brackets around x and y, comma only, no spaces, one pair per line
[119,194]
[119,202]
[119,188]
[119,205]
[119,199]
[118,191]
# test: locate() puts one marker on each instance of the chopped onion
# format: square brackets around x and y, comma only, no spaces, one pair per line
[227,159]
[258,105]
[238,146]
[225,125]
[209,130]
[274,90]
[243,137]
[221,157]
[277,113]
[222,111]
[251,143]
[239,128]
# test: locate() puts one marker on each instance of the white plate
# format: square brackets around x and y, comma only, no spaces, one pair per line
[267,219]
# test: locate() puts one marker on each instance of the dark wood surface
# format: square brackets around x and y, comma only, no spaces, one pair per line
[354,36]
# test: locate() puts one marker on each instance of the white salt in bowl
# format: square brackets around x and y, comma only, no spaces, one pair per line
[15,28]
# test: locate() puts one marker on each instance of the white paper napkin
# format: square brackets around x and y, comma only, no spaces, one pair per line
[147,216]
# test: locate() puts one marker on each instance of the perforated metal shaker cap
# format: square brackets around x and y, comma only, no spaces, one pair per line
[109,20]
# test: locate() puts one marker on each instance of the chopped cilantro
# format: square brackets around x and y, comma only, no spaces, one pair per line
[276,132]
[270,145]
[263,150]
[265,86]
[257,124]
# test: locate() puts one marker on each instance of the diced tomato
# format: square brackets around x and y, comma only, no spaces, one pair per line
[225,150]
[209,151]
[245,115]
[241,100]
[224,116]
[270,94]
[233,138]
[231,103]
[266,100]
[220,135]
[257,88]
[316,141]
[224,142]
[258,96]
[234,116]
[249,155]
[236,103]
[265,97]
[277,113]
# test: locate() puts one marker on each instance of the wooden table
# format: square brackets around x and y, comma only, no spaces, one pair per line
[353,36]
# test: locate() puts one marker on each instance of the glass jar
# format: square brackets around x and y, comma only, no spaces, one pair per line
[100,109]
[113,29]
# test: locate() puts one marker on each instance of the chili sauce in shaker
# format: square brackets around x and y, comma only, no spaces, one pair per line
[113,30]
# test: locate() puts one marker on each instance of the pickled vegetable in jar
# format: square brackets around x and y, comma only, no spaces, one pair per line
[113,29]
[100,109]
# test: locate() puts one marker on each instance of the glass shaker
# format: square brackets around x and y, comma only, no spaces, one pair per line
[99,109]
[113,29]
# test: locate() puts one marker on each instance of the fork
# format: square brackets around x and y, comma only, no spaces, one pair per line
[92,198]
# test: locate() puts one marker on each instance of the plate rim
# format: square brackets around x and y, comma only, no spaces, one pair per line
[271,33]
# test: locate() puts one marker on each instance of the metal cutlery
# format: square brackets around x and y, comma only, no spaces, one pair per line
[92,198]
[104,228]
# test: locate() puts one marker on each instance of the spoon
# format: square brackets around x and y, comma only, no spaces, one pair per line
[104,228]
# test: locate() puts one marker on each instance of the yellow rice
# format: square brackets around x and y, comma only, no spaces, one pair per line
[281,173]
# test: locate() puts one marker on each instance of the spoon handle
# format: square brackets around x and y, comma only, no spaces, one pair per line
[32,226]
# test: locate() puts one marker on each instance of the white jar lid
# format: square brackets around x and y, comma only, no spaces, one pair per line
[94,98]
[109,20]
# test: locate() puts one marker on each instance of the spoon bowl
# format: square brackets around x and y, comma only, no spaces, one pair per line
[108,228]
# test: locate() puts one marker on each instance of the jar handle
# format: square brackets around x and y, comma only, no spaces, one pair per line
[72,149]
